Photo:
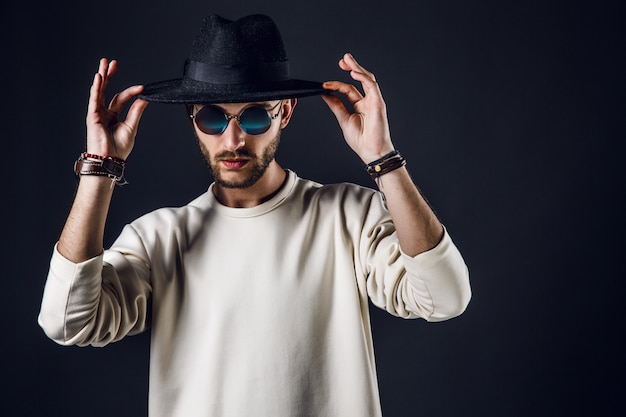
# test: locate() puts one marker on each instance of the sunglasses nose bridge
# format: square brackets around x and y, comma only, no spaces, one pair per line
[229,117]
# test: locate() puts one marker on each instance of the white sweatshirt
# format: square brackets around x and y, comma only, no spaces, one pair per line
[257,311]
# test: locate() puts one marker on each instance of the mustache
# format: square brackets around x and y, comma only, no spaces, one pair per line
[235,155]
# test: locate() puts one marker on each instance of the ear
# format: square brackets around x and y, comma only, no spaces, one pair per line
[287,110]
[189,112]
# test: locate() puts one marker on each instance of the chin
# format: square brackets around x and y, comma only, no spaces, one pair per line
[238,180]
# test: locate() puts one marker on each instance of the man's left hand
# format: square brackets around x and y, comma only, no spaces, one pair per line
[366,130]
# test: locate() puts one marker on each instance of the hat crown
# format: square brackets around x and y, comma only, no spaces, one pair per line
[250,40]
[233,62]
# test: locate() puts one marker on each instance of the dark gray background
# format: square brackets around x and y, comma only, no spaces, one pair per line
[511,117]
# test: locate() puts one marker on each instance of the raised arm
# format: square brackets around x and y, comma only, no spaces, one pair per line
[107,136]
[366,131]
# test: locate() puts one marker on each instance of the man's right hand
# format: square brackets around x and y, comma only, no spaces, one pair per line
[83,234]
[106,134]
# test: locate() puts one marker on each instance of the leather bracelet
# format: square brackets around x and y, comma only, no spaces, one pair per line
[86,155]
[389,162]
[113,168]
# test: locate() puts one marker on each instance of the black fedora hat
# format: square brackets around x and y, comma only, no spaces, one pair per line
[233,62]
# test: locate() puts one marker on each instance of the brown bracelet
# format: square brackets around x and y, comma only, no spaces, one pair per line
[113,168]
[86,155]
[390,162]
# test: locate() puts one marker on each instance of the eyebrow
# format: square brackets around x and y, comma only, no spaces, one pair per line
[267,105]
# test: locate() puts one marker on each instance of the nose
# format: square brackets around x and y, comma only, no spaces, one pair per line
[233,137]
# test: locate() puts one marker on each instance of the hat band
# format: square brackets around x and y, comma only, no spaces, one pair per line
[237,74]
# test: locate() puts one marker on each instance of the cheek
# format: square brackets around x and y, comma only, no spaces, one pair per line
[206,142]
[204,147]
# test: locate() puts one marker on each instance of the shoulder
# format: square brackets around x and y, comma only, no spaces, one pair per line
[167,218]
[342,194]
[341,188]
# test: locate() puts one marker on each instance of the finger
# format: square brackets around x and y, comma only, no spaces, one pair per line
[111,70]
[103,69]
[368,82]
[120,99]
[349,63]
[94,94]
[348,90]
[358,73]
[134,113]
[337,107]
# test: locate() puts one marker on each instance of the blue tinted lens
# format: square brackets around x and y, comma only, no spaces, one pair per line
[211,120]
[255,120]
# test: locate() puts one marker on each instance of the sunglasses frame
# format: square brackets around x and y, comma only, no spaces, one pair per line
[237,117]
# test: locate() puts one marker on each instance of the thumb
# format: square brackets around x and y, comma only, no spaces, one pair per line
[135,112]
[337,107]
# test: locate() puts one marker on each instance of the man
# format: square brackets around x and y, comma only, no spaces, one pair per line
[256,293]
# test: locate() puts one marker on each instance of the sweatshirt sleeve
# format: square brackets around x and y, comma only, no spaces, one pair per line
[433,285]
[95,302]
[440,279]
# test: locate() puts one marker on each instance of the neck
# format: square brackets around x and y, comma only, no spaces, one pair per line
[264,189]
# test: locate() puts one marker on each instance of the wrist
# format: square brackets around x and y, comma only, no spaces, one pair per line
[369,157]
[105,149]
[385,164]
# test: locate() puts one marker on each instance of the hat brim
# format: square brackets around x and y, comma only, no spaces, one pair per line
[187,91]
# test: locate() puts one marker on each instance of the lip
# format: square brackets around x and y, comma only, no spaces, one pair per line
[234,163]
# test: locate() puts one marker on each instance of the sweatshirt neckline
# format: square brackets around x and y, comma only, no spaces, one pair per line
[259,210]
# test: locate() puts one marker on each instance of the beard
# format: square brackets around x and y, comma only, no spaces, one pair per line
[256,166]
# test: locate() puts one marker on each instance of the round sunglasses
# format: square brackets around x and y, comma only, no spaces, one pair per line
[253,120]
